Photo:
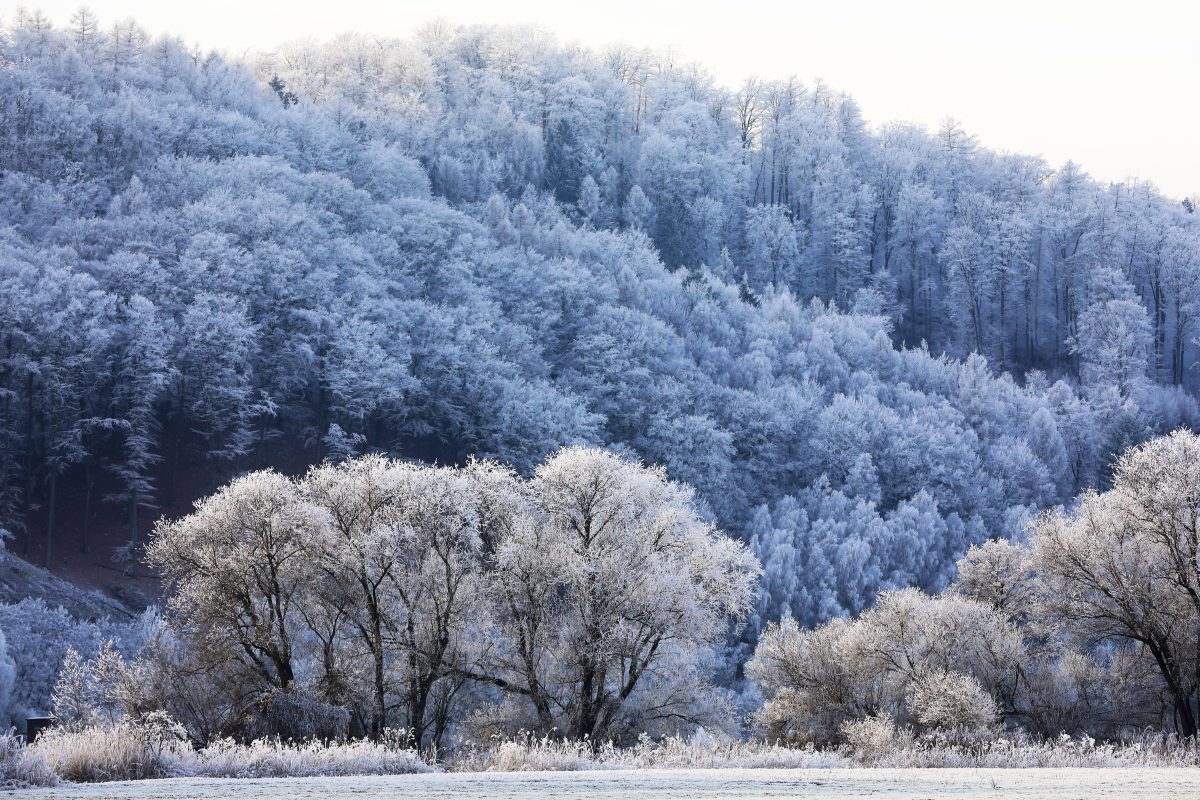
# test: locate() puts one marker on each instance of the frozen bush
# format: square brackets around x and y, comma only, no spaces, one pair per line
[294,716]
[870,738]
[948,700]
[100,691]
[815,681]
[812,681]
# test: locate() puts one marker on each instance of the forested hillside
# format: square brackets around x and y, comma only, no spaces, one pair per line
[866,349]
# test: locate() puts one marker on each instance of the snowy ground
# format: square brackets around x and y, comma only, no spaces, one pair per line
[727,784]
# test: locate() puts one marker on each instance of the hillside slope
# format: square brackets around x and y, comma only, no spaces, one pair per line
[20,580]
[482,244]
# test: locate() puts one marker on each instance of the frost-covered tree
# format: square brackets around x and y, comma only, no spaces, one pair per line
[1114,336]
[589,599]
[239,573]
[611,589]
[1122,567]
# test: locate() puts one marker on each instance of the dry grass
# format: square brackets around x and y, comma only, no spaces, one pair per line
[129,752]
[273,759]
[124,752]
[111,753]
[529,753]
[1150,750]
[20,767]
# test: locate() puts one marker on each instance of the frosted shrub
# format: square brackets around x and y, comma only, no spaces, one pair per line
[812,681]
[870,738]
[934,661]
[96,692]
[948,700]
[296,717]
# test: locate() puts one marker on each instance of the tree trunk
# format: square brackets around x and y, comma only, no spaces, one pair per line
[52,496]
[1184,716]
[379,719]
[85,546]
[133,519]
[1177,352]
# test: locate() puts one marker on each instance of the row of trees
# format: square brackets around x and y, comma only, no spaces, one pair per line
[588,600]
[1091,626]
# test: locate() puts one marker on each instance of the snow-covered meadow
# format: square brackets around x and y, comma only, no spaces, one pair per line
[727,784]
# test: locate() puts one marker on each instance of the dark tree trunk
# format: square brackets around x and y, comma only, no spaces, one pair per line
[85,545]
[51,502]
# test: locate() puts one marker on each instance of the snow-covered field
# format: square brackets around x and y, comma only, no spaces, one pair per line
[728,784]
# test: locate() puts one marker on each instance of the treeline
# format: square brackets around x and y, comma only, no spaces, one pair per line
[1087,628]
[478,244]
[587,602]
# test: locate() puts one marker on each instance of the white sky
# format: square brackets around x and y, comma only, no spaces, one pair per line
[1111,85]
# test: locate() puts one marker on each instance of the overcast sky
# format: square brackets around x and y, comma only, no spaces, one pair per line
[1110,85]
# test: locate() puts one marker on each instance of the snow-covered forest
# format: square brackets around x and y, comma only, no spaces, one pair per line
[867,350]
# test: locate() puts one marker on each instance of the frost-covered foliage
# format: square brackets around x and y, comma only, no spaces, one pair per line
[100,691]
[1089,628]
[1121,569]
[21,767]
[933,663]
[590,599]
[948,670]
[480,243]
[39,639]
